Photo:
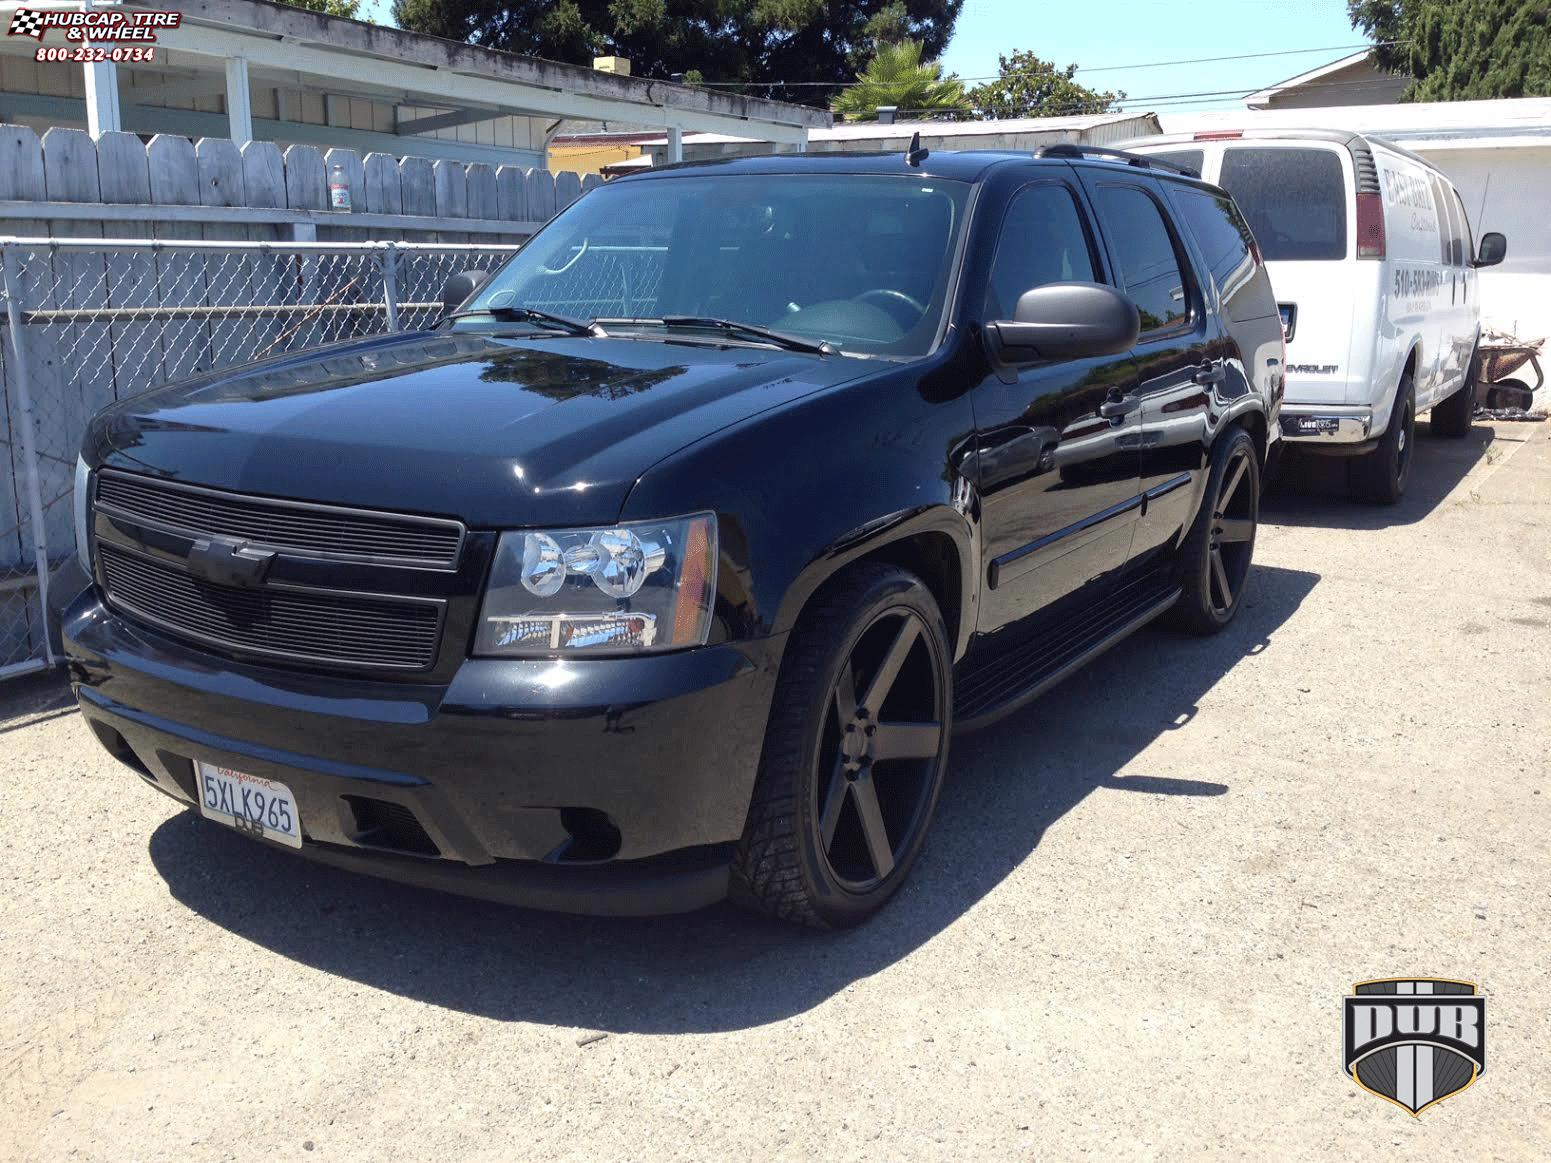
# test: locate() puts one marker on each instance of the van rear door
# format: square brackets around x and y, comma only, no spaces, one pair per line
[1298,199]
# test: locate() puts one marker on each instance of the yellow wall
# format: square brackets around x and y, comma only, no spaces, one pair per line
[588,159]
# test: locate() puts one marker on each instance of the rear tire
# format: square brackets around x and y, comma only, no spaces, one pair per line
[1380,477]
[1452,418]
[854,753]
[1218,550]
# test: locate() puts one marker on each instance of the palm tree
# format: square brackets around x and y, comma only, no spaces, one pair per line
[895,76]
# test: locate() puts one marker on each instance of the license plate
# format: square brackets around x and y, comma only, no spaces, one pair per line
[249,803]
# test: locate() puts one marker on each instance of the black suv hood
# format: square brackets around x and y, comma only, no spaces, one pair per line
[494,430]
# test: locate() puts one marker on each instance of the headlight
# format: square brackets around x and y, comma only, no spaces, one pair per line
[83,484]
[624,589]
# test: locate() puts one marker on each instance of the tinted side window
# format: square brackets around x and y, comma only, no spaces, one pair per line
[1445,225]
[1294,199]
[1467,239]
[1144,254]
[1227,246]
[1043,240]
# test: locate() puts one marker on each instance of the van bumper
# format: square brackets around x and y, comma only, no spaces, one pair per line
[1328,428]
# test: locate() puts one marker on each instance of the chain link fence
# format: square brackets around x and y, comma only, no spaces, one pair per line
[92,321]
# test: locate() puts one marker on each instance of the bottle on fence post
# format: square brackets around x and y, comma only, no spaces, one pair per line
[339,189]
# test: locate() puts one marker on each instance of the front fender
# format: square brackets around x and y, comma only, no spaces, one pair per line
[805,489]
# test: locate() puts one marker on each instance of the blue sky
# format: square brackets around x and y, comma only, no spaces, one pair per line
[1103,34]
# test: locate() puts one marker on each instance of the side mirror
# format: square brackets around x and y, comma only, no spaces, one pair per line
[1494,248]
[459,287]
[1066,321]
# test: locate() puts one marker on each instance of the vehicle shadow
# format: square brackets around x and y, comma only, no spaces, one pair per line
[722,968]
[1312,490]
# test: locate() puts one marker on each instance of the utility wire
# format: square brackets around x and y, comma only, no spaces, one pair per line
[1030,73]
[1081,107]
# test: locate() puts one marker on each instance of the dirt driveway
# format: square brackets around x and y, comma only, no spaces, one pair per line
[1129,936]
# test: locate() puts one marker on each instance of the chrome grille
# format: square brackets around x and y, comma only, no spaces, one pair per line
[291,527]
[355,630]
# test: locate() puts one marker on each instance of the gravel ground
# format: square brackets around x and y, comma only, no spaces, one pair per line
[1128,937]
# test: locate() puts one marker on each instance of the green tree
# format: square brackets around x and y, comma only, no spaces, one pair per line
[757,42]
[346,8]
[1461,50]
[897,76]
[1030,87]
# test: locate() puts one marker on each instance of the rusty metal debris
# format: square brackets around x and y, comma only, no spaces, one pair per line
[1500,395]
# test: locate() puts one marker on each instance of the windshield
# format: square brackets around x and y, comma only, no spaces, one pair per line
[859,261]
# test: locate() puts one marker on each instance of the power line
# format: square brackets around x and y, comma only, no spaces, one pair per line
[1030,73]
[1164,98]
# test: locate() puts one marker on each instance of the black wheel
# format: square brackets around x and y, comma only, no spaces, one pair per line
[1215,559]
[1380,476]
[1452,418]
[854,753]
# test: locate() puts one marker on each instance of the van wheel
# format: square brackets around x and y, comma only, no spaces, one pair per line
[1379,477]
[1453,417]
[854,753]
[1215,559]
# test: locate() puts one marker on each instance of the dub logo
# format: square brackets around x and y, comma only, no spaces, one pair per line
[1414,1041]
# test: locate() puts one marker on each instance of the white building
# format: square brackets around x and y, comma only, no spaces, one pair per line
[1352,80]
[252,70]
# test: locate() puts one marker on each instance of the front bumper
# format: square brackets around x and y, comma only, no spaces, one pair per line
[508,783]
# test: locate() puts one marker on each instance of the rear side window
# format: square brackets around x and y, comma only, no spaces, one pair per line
[1226,244]
[1043,241]
[1294,199]
[1144,254]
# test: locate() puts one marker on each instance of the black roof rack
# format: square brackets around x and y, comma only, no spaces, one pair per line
[1077,149]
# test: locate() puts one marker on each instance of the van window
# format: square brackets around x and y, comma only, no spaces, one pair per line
[1294,199]
[1467,239]
[1185,159]
[1043,241]
[1225,243]
[1446,227]
[1144,251]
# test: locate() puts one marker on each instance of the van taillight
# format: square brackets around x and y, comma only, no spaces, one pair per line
[1219,135]
[1370,226]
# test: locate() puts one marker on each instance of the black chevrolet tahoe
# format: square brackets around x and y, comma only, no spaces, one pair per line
[664,567]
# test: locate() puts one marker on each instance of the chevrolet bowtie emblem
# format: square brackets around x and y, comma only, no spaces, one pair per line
[227,561]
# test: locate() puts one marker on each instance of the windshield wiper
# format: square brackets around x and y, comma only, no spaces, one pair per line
[729,327]
[531,315]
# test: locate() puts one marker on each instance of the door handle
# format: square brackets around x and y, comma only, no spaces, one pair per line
[1117,406]
[1211,373]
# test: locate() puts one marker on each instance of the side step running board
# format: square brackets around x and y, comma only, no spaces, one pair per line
[1011,681]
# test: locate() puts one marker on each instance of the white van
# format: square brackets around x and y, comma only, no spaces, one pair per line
[1373,265]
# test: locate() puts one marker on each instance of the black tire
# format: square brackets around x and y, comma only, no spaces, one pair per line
[829,807]
[1452,418]
[1380,477]
[1215,558]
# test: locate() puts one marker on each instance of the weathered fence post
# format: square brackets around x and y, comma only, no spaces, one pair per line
[390,285]
[14,320]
